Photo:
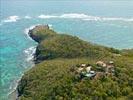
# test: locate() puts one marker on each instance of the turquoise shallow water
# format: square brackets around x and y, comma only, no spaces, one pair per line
[108,23]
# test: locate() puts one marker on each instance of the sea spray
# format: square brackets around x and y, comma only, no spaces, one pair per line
[27,17]
[26,31]
[29,58]
[12,19]
[80,16]
[30,53]
[86,17]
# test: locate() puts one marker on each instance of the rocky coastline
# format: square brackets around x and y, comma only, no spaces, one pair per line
[38,38]
[16,94]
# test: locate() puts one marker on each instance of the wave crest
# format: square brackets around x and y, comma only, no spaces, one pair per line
[11,19]
[80,16]
[85,17]
[74,15]
[47,16]
[26,31]
[30,53]
[27,17]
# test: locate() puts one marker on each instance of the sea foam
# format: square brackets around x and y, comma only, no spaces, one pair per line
[27,17]
[80,16]
[73,15]
[85,17]
[29,57]
[11,19]
[26,31]
[109,19]
[30,53]
[47,16]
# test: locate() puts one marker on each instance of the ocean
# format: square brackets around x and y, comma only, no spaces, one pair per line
[104,22]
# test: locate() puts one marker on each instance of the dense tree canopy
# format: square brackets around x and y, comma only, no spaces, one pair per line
[55,77]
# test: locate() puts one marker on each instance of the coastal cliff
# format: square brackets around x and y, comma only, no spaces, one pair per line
[57,58]
[53,45]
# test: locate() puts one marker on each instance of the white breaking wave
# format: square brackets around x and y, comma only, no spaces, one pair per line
[26,31]
[85,17]
[47,16]
[27,17]
[109,19]
[74,15]
[30,57]
[11,19]
[70,15]
[30,53]
[80,16]
[13,86]
[50,26]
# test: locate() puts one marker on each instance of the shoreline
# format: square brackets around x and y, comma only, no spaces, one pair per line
[14,95]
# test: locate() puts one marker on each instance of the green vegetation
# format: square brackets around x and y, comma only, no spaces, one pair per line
[66,46]
[38,33]
[55,77]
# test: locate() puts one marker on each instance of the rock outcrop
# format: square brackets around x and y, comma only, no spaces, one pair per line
[35,33]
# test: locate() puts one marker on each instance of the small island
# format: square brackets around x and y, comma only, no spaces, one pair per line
[68,68]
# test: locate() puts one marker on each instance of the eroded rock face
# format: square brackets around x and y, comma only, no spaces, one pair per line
[34,33]
[38,57]
[40,27]
[53,45]
[40,33]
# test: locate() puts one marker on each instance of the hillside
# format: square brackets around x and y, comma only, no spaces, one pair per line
[54,45]
[55,76]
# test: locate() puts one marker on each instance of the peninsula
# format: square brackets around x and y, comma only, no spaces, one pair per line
[68,68]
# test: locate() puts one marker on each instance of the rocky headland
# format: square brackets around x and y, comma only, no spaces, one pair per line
[55,76]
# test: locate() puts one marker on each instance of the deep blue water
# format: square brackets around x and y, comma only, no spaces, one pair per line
[108,23]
